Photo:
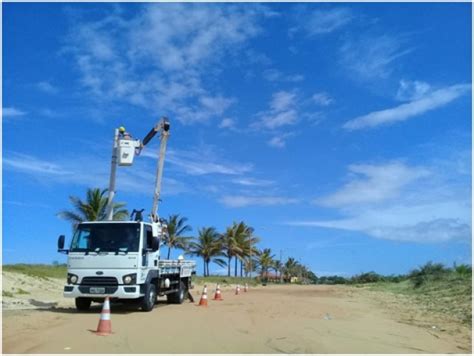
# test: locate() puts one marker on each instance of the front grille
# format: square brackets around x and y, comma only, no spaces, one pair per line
[99,281]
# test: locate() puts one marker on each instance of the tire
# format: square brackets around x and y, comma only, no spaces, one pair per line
[83,303]
[179,296]
[148,301]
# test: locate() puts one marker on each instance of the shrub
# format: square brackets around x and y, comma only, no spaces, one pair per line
[429,272]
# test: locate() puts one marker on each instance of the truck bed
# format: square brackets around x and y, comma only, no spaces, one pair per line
[183,268]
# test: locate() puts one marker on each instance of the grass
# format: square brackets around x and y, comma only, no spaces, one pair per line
[224,280]
[451,294]
[7,294]
[38,271]
[22,291]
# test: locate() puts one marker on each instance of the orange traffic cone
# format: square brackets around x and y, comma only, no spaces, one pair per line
[203,301]
[105,325]
[246,288]
[237,290]
[218,295]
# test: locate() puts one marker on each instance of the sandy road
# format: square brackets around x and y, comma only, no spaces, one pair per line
[273,319]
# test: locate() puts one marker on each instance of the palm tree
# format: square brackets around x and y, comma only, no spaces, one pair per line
[265,260]
[291,268]
[277,267]
[207,246]
[176,228]
[246,242]
[230,245]
[93,209]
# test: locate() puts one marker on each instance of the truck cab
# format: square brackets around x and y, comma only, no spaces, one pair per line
[121,260]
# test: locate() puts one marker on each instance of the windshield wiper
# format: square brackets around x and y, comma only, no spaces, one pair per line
[122,249]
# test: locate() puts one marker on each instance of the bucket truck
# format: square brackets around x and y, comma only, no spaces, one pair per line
[121,259]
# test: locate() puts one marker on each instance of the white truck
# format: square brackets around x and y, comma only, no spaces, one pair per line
[121,259]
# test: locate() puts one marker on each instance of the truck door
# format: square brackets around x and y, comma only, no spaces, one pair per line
[147,257]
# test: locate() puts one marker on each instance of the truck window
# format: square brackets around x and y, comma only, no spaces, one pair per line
[148,236]
[106,237]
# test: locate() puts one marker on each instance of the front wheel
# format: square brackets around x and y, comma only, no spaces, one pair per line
[149,299]
[83,304]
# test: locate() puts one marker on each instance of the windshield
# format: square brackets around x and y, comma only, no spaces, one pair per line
[106,238]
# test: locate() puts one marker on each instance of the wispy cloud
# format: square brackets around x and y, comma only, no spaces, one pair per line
[431,101]
[373,183]
[371,58]
[201,161]
[322,99]
[282,111]
[239,201]
[47,87]
[174,44]
[227,123]
[411,205]
[279,141]
[274,75]
[88,171]
[412,90]
[252,182]
[321,22]
[12,112]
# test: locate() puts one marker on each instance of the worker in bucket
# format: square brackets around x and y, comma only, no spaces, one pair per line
[123,134]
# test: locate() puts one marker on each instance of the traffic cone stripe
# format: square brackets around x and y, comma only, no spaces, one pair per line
[218,295]
[105,325]
[203,301]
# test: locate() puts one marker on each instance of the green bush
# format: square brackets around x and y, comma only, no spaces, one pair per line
[428,272]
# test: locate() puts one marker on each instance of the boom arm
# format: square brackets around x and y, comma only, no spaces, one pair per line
[164,127]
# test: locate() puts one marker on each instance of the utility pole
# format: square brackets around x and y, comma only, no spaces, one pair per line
[113,170]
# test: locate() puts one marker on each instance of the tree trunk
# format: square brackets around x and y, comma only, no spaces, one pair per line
[207,264]
[241,268]
[228,266]
[235,267]
[169,252]
[204,265]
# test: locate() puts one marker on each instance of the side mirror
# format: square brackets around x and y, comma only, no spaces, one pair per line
[61,242]
[155,244]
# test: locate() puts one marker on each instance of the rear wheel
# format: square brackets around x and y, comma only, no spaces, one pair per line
[177,297]
[83,303]
[147,302]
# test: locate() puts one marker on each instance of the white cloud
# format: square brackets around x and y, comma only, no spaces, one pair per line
[200,161]
[322,99]
[47,87]
[378,183]
[321,22]
[239,201]
[89,171]
[423,207]
[434,100]
[412,90]
[274,75]
[279,141]
[282,111]
[371,58]
[252,182]
[227,123]
[12,112]
[174,45]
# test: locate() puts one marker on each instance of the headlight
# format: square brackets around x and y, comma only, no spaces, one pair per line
[72,278]
[130,278]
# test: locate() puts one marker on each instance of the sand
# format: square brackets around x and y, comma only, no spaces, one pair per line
[271,319]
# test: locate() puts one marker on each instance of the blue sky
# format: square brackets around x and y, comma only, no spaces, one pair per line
[340,132]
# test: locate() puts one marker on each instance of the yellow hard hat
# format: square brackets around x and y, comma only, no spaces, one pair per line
[122,129]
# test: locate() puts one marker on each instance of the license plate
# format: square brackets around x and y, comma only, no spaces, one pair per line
[95,290]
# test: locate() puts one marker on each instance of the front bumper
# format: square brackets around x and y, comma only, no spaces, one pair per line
[120,292]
